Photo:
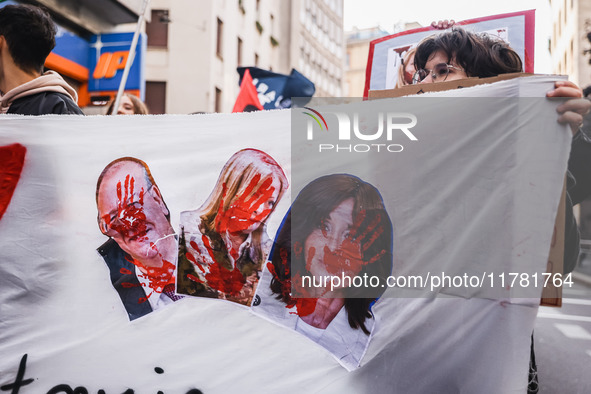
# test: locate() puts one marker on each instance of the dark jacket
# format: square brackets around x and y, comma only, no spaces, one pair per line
[124,280]
[45,103]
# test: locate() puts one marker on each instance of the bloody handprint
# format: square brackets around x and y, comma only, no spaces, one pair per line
[129,219]
[157,277]
[200,260]
[242,213]
[350,255]
[214,274]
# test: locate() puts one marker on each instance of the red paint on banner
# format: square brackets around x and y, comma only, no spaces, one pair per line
[192,258]
[158,277]
[305,306]
[130,219]
[208,247]
[194,278]
[12,160]
[349,256]
[243,212]
[125,271]
[300,306]
[128,285]
[298,249]
[227,281]
[311,254]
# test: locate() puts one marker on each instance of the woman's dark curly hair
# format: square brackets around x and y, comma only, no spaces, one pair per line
[480,55]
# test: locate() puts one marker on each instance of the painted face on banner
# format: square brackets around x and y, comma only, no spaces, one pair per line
[133,213]
[329,249]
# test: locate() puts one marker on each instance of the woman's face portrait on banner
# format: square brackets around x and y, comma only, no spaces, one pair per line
[337,227]
[329,249]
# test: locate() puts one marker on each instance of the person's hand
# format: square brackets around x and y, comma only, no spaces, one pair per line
[442,25]
[572,111]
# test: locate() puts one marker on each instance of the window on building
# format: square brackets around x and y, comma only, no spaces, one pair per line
[256,60]
[156,97]
[157,29]
[219,42]
[239,52]
[218,100]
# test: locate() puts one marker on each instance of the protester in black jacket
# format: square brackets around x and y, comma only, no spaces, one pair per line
[27,36]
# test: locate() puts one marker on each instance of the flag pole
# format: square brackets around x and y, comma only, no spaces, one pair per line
[131,56]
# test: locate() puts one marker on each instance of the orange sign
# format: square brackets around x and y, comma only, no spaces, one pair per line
[109,63]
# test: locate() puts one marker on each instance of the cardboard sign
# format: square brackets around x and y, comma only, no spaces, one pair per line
[386,53]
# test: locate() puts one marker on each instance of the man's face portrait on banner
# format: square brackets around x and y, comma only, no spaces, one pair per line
[132,212]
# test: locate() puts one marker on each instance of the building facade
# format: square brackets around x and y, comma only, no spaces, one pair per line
[188,51]
[356,59]
[570,43]
[194,48]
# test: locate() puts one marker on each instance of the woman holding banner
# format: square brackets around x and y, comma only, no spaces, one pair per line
[460,54]
[337,228]
[224,243]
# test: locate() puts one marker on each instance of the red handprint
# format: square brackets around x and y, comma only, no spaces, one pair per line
[229,282]
[201,259]
[302,306]
[130,219]
[350,257]
[242,213]
[157,277]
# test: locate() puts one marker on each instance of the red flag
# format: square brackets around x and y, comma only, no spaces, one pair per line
[248,98]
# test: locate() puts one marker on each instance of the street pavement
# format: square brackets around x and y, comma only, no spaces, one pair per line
[563,339]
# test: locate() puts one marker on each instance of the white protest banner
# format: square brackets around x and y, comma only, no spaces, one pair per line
[386,54]
[458,197]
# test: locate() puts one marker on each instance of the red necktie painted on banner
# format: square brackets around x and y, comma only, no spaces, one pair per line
[12,160]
